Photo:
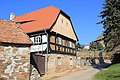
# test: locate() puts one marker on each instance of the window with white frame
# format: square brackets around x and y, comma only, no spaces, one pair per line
[70,44]
[37,39]
[59,40]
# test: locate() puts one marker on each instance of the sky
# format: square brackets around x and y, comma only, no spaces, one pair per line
[83,13]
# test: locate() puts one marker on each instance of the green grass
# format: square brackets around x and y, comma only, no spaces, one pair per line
[112,73]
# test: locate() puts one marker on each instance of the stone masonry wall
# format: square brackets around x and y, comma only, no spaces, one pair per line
[60,63]
[14,63]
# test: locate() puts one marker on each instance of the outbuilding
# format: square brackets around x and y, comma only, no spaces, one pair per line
[14,52]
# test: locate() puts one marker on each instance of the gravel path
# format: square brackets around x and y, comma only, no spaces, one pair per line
[79,75]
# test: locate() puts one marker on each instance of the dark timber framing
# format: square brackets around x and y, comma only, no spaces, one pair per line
[63,49]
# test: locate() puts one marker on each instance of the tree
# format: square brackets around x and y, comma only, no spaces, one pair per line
[111,23]
[96,46]
[93,46]
[79,46]
[99,46]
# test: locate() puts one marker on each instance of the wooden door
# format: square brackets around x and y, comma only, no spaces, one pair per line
[38,61]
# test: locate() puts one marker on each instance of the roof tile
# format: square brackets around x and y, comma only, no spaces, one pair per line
[39,19]
[10,32]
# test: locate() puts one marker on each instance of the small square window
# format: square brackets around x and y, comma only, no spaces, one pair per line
[71,61]
[58,60]
[62,20]
[66,24]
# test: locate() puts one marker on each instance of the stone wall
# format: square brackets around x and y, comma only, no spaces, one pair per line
[14,63]
[87,54]
[34,75]
[60,63]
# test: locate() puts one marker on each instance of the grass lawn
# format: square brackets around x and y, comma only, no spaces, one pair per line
[112,73]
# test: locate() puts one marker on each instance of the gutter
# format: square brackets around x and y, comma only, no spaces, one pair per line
[46,59]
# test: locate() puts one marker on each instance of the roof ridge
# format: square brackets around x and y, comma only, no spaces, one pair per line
[37,10]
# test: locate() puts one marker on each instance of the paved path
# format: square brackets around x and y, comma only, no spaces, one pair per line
[79,75]
[83,74]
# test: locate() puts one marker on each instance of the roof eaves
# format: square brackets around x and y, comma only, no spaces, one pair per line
[68,18]
[64,14]
[74,30]
[55,20]
[16,44]
[38,31]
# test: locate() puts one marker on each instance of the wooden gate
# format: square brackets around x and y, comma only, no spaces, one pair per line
[38,61]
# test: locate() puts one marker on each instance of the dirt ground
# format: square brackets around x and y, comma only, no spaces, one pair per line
[57,75]
[87,74]
[84,73]
[79,75]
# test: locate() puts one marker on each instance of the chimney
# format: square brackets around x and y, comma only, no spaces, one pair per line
[12,16]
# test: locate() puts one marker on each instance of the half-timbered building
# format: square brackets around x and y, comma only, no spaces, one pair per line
[53,37]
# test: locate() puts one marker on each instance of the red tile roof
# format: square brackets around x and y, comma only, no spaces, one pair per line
[38,20]
[10,32]
[88,45]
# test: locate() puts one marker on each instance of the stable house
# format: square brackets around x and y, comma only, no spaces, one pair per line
[53,37]
[14,52]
